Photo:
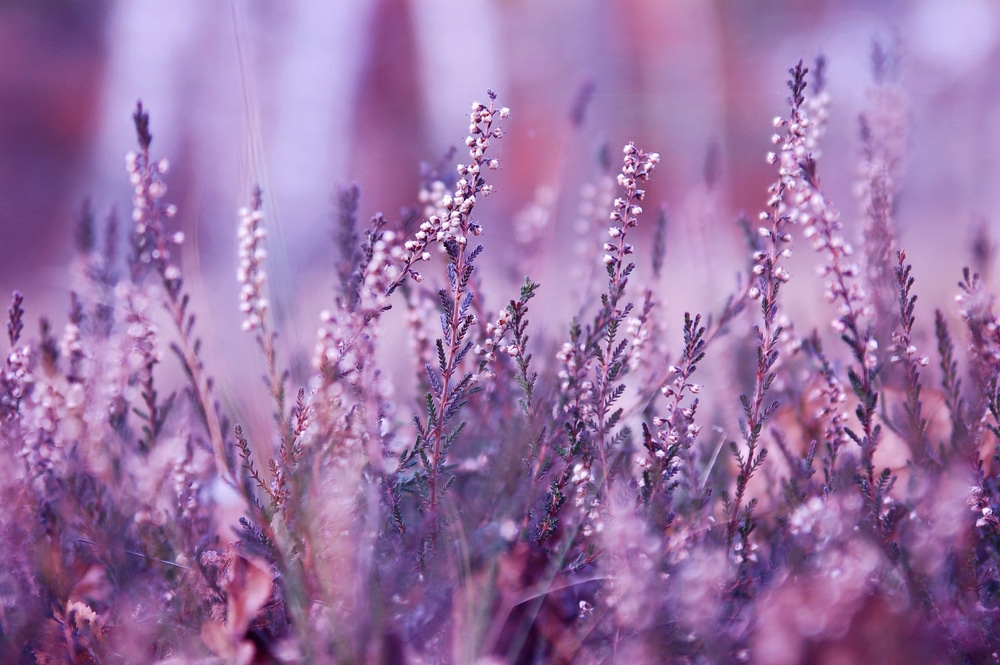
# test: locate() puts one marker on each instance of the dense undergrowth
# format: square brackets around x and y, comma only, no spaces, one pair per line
[550,493]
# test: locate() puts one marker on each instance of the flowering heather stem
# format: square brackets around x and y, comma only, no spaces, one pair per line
[770,277]
[450,387]
[670,448]
[823,227]
[611,364]
[254,304]
[585,404]
[152,250]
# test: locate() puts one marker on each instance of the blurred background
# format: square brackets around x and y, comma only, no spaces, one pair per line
[308,96]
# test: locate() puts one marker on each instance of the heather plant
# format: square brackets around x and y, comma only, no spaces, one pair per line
[548,491]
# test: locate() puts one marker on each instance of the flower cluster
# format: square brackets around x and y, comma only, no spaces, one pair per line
[450,217]
[141,336]
[250,272]
[340,328]
[637,331]
[805,204]
[574,380]
[495,341]
[152,246]
[585,499]
[636,169]
[17,378]
[979,503]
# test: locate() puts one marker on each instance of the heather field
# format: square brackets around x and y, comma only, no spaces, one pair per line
[645,333]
